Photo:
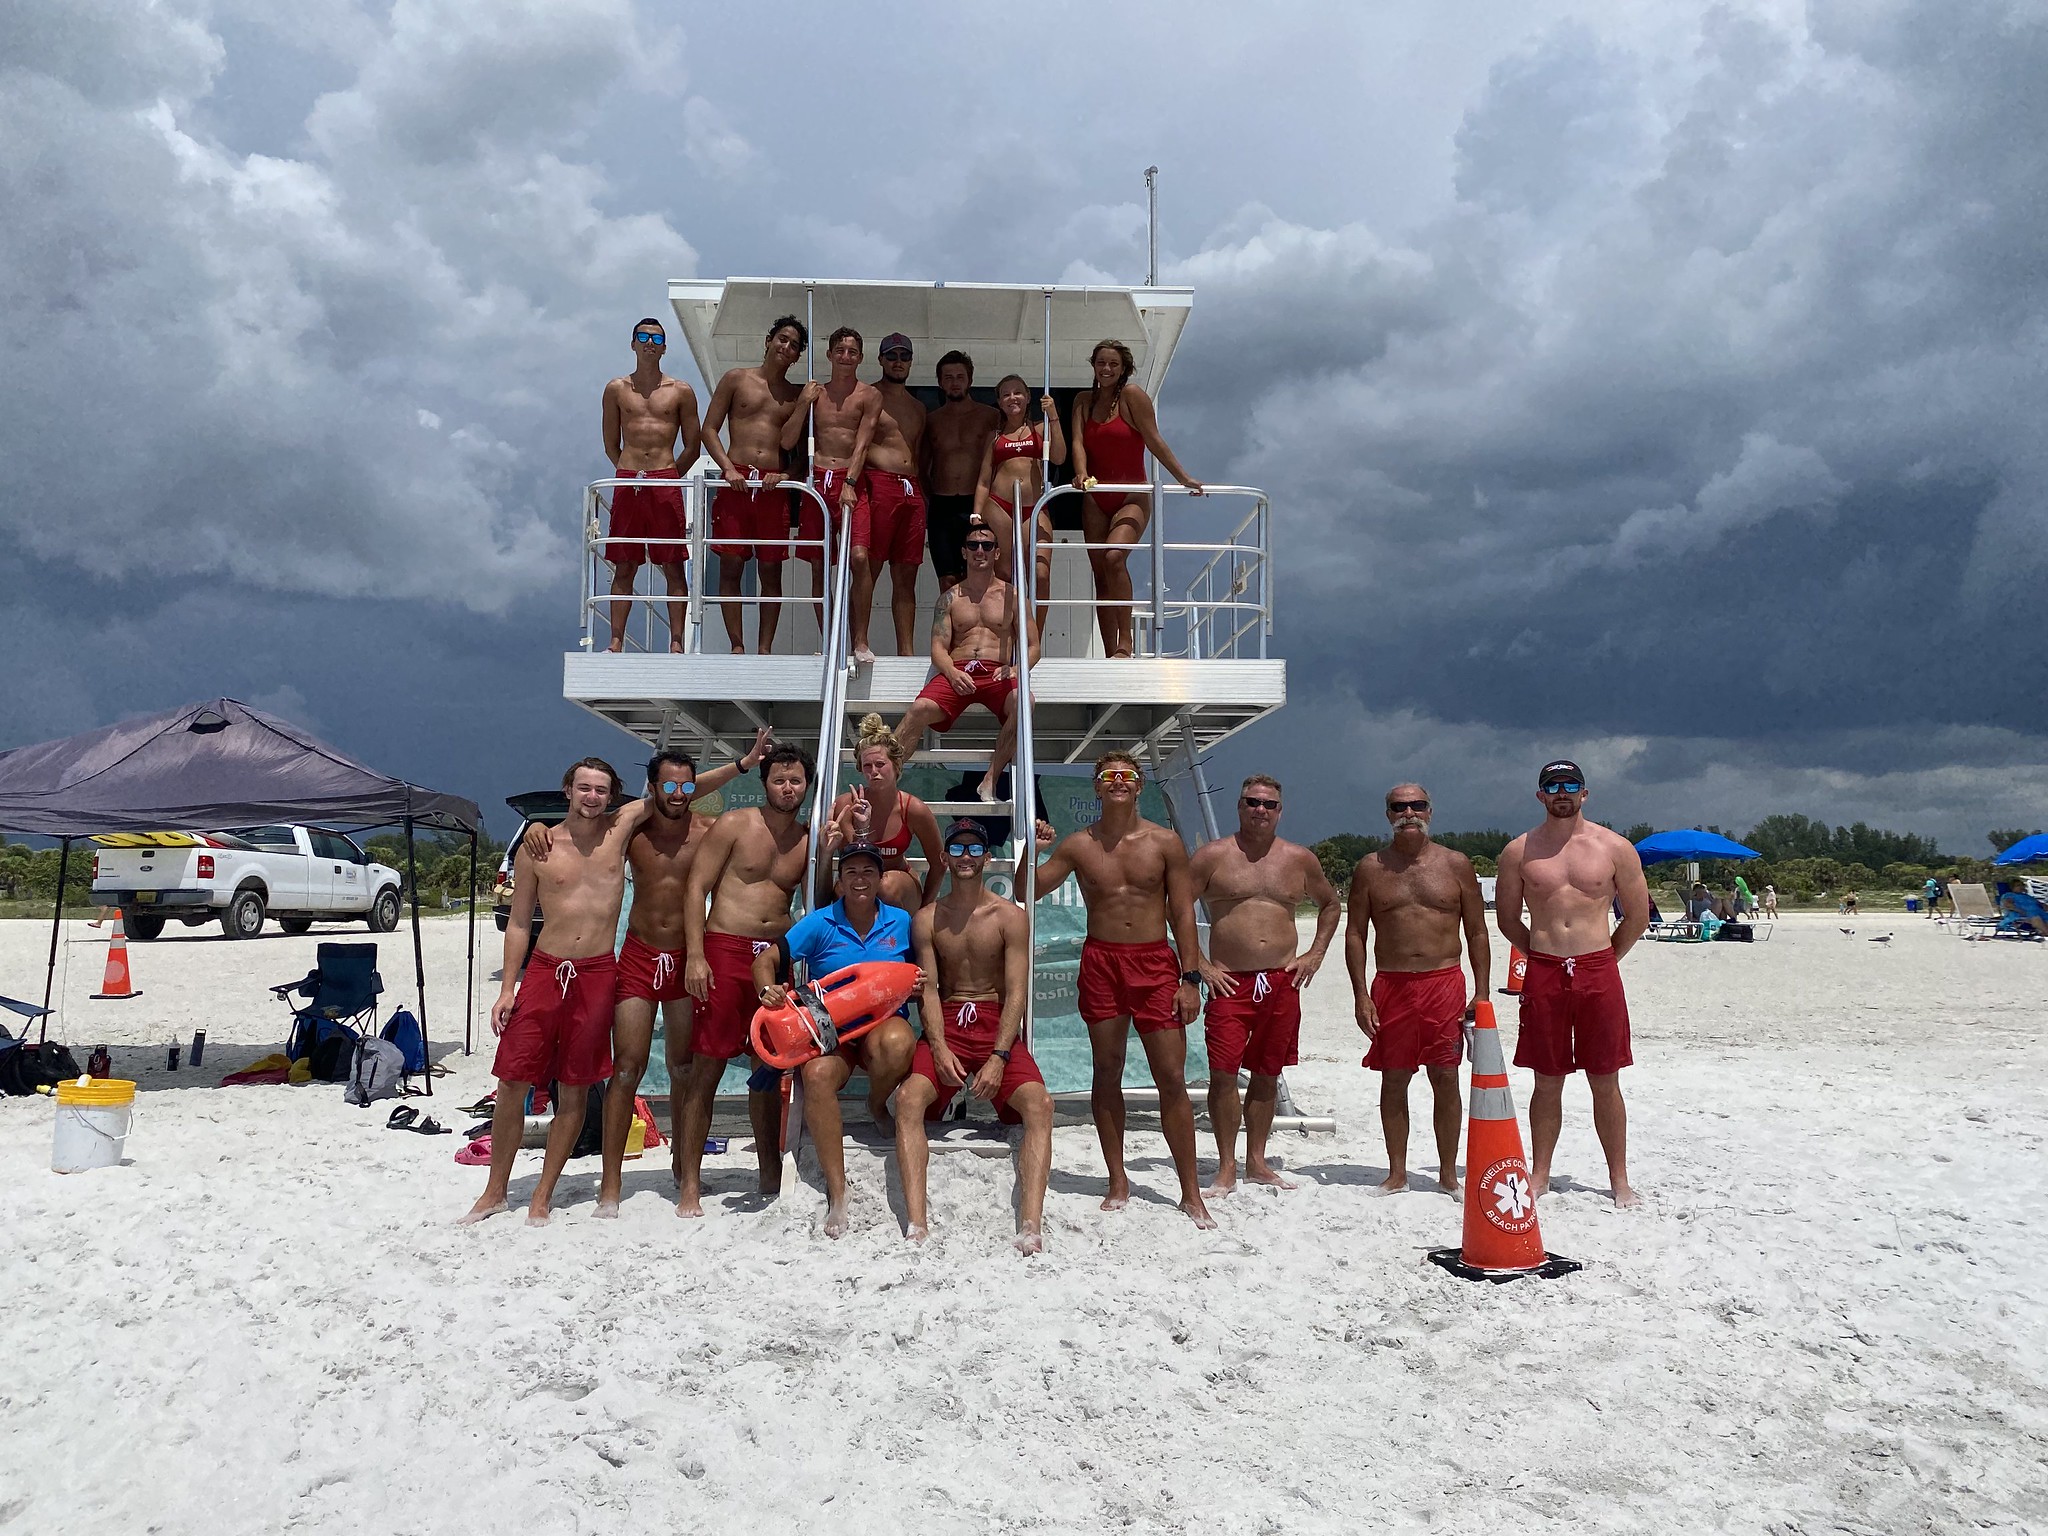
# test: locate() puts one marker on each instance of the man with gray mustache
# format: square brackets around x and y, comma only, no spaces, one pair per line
[1420,894]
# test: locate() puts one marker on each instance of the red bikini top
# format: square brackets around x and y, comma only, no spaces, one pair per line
[1008,448]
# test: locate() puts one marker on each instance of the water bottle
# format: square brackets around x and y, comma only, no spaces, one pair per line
[100,1063]
[198,1045]
[174,1055]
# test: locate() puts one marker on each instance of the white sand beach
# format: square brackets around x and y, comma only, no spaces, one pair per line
[1828,1316]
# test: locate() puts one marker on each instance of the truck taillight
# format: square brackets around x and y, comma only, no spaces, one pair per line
[206,866]
[95,866]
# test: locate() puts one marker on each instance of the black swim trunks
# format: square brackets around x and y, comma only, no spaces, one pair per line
[945,530]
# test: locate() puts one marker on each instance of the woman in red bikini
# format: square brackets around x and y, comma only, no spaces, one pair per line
[1012,477]
[878,812]
[1114,424]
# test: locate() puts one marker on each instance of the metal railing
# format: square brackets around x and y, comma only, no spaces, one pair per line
[831,714]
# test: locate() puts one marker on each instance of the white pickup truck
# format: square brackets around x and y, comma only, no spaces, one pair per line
[299,875]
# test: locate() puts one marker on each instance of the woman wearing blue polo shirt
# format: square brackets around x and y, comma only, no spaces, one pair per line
[858,926]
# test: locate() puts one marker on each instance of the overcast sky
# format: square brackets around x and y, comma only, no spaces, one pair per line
[1655,383]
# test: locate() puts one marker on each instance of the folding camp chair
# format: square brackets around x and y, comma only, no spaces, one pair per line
[340,993]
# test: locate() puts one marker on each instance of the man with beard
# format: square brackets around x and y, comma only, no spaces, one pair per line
[1419,898]
[1571,872]
[749,516]
[955,437]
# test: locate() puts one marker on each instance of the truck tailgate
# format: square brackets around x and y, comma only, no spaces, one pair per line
[147,869]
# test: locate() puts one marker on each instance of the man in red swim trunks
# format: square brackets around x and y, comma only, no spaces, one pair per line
[1571,872]
[974,647]
[1253,881]
[750,864]
[845,412]
[1418,898]
[558,1027]
[644,413]
[895,498]
[1134,879]
[750,518]
[974,948]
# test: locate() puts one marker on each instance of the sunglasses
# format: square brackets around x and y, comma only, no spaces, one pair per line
[650,338]
[1117,776]
[1258,804]
[979,544]
[1562,786]
[965,850]
[1407,805]
[678,786]
[894,352]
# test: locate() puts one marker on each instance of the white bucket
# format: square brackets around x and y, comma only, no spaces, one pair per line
[91,1125]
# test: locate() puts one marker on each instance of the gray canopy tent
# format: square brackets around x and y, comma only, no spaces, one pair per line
[207,768]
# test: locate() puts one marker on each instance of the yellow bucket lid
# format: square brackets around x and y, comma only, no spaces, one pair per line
[96,1092]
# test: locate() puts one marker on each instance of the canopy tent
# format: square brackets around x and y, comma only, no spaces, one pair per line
[211,767]
[1692,846]
[2028,850]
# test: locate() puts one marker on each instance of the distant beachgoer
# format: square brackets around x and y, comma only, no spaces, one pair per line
[1114,424]
[1134,880]
[1010,480]
[645,412]
[1574,1012]
[750,519]
[1930,895]
[1430,916]
[879,811]
[1770,901]
[1700,903]
[956,435]
[1848,906]
[1252,881]
[896,504]
[748,869]
[846,411]
[974,646]
[974,948]
[556,1025]
[858,927]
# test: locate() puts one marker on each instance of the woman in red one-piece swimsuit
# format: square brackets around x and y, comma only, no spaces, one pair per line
[1114,424]
[1011,478]
[887,817]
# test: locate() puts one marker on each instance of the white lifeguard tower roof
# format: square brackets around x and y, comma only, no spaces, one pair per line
[1002,326]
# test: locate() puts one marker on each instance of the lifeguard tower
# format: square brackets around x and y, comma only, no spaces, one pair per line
[1202,578]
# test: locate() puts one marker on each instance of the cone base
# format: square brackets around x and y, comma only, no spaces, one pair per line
[1552,1267]
[115,997]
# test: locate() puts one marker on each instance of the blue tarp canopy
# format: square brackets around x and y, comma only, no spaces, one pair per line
[1663,847]
[2028,850]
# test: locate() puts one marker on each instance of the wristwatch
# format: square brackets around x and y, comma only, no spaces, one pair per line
[1191,978]
[1004,1054]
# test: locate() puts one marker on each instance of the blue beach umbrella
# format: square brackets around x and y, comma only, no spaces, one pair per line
[2028,850]
[1692,846]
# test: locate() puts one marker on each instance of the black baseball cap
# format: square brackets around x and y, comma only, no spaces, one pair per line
[968,827]
[1559,768]
[861,851]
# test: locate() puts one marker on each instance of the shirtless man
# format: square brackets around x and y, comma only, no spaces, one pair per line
[644,413]
[1134,879]
[651,958]
[974,637]
[749,867]
[1570,871]
[1419,896]
[974,948]
[558,1029]
[846,411]
[955,437]
[1253,880]
[896,512]
[749,519]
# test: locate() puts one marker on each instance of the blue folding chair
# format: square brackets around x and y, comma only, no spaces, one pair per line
[340,993]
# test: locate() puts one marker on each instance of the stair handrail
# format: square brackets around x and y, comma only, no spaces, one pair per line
[831,702]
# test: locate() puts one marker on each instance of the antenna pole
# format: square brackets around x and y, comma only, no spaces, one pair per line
[1152,226]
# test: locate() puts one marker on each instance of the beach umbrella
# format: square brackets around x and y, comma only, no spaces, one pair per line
[2028,850]
[1692,846]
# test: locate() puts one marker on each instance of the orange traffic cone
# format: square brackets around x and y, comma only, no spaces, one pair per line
[116,985]
[1501,1239]
[1518,968]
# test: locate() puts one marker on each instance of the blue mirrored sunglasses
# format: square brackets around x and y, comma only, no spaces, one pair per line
[674,787]
[1563,786]
[966,850]
[654,338]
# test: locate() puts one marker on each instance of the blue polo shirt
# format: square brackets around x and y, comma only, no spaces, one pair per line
[825,941]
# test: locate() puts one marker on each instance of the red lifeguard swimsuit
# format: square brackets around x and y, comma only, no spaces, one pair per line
[1008,448]
[1116,456]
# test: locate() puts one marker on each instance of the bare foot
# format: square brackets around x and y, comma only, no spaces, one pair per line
[675,647]
[863,656]
[1270,1177]
[538,1218]
[616,647]
[1624,1197]
[689,1205]
[1199,1214]
[1539,1184]
[985,791]
[915,1233]
[1115,1202]
[837,1222]
[1392,1184]
[1448,1183]
[1029,1240]
[483,1212]
[607,1210]
[1224,1182]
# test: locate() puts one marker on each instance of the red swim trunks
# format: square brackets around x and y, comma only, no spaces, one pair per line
[1422,1019]
[1134,981]
[1257,1027]
[991,692]
[895,517]
[971,1030]
[723,1017]
[748,523]
[654,974]
[561,1025]
[810,523]
[648,512]
[1574,1015]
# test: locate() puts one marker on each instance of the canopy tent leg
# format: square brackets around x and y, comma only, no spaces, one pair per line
[56,923]
[419,964]
[469,969]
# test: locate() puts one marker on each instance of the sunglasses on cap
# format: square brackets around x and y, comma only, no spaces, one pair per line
[1258,802]
[1117,776]
[650,338]
[1407,805]
[678,786]
[1562,786]
[965,850]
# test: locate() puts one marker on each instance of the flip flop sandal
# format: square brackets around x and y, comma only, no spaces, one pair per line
[431,1127]
[481,1128]
[486,1106]
[402,1118]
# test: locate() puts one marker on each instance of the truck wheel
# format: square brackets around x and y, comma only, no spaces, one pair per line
[136,926]
[294,922]
[243,918]
[384,912]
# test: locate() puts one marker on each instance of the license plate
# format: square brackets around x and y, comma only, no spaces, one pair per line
[145,897]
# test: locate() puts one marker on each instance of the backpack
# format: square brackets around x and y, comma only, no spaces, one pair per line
[403,1031]
[24,1068]
[333,1052]
[376,1071]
